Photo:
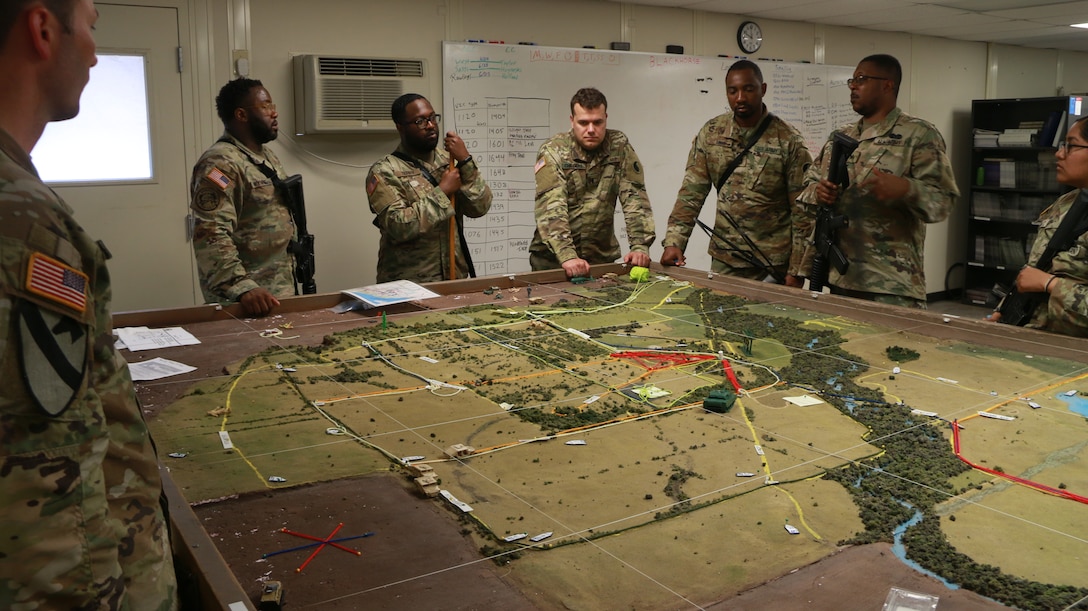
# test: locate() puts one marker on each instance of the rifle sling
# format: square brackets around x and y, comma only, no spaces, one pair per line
[740,156]
[459,217]
[277,182]
[1073,225]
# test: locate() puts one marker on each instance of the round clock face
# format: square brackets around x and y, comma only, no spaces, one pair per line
[749,37]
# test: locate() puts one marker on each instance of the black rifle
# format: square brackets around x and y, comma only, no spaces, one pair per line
[302,247]
[1015,307]
[828,252]
[753,256]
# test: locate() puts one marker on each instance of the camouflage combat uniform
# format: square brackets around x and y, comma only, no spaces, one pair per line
[576,193]
[242,224]
[760,194]
[1066,310]
[82,527]
[414,214]
[884,241]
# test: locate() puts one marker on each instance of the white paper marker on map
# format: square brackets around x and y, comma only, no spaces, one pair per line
[225,438]
[803,400]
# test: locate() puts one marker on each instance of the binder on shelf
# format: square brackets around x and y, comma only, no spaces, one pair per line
[1059,134]
[1050,127]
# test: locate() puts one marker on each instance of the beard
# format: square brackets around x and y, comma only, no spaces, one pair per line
[262,132]
[424,143]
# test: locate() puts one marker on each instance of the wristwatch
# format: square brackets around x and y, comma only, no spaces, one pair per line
[464,161]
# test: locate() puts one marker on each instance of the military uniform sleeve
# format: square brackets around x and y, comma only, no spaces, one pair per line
[815,172]
[405,204]
[552,221]
[691,197]
[636,204]
[933,188]
[474,198]
[217,194]
[1067,308]
[807,200]
[803,217]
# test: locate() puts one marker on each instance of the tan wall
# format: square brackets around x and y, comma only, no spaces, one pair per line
[941,77]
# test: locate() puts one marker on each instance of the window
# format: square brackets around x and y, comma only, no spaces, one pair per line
[110,140]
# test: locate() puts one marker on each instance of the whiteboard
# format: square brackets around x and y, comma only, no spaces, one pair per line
[506,100]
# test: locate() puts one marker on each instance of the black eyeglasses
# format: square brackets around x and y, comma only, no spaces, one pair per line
[1068,147]
[423,121]
[860,80]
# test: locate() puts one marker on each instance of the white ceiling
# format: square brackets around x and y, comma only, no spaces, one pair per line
[1028,23]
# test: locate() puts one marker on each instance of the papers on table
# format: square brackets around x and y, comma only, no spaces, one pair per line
[157,368]
[389,293]
[143,338]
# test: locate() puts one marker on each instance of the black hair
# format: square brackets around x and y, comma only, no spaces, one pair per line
[401,103]
[745,64]
[888,64]
[234,95]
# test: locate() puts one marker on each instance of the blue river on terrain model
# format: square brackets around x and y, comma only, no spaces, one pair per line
[1077,404]
[900,550]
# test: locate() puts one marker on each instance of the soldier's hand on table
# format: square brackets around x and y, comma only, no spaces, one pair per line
[795,281]
[576,267]
[456,146]
[673,256]
[639,259]
[258,302]
[885,186]
[451,182]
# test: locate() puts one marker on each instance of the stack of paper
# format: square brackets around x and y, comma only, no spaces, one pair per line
[1018,137]
[143,338]
[986,138]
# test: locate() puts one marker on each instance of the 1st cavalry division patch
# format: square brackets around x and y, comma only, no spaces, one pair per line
[54,346]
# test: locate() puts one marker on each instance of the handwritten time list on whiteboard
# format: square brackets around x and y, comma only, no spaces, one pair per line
[506,100]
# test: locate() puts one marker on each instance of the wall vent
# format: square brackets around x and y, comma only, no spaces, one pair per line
[352,94]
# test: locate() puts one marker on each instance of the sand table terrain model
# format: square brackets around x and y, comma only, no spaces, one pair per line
[574,443]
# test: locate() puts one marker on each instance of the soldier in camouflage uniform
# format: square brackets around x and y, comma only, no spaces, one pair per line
[82,524]
[243,225]
[900,179]
[1065,310]
[579,176]
[760,194]
[414,194]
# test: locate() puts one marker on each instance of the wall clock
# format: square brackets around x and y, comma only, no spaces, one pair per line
[749,37]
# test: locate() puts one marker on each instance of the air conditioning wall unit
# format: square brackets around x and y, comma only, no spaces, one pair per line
[352,94]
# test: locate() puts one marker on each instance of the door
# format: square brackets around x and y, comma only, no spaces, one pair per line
[142,221]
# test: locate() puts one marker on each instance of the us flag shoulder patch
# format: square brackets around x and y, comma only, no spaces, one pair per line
[539,164]
[220,179]
[56,281]
[371,184]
